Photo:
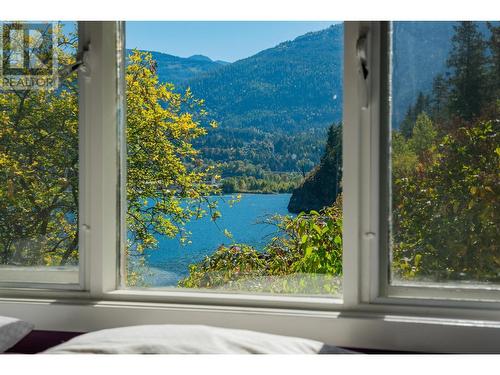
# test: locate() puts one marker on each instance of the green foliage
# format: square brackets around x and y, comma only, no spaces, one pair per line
[269,183]
[166,180]
[446,171]
[226,266]
[424,135]
[404,158]
[313,241]
[39,170]
[250,151]
[322,186]
[304,257]
[445,214]
[422,105]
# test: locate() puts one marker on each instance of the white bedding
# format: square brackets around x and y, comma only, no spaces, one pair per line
[184,339]
[12,330]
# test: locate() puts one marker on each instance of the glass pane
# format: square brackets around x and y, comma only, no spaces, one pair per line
[38,152]
[234,157]
[446,153]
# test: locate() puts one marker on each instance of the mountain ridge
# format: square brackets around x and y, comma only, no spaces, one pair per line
[261,90]
[178,70]
[274,108]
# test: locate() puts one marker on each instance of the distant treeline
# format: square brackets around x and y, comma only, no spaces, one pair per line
[269,183]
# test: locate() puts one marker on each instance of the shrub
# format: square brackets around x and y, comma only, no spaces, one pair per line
[304,257]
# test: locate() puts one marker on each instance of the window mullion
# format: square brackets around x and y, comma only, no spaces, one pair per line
[351,167]
[360,171]
[100,145]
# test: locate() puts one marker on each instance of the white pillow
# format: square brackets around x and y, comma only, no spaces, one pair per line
[184,339]
[12,330]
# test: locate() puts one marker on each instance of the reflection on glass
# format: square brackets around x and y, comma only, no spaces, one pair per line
[39,153]
[446,152]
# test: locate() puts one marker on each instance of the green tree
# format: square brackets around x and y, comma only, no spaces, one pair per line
[422,104]
[445,211]
[445,176]
[167,181]
[424,135]
[404,158]
[468,63]
[439,97]
[494,57]
[324,183]
[39,170]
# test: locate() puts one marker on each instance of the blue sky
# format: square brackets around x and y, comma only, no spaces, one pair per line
[219,40]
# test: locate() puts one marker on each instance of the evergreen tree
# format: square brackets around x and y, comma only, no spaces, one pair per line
[468,64]
[494,71]
[422,105]
[424,135]
[406,127]
[322,186]
[439,97]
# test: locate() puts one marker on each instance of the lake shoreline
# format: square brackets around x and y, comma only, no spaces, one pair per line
[256,192]
[242,220]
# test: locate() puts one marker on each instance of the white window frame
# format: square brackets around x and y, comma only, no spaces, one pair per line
[367,316]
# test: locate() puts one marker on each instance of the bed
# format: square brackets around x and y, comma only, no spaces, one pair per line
[17,337]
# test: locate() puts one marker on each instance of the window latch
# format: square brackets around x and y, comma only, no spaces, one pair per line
[81,64]
[362,54]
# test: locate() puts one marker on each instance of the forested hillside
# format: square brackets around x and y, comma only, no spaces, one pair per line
[294,86]
[274,108]
[178,70]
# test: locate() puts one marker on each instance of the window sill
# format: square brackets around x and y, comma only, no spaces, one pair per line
[425,330]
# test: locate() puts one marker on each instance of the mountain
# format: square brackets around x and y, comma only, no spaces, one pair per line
[298,83]
[200,58]
[274,108]
[178,70]
[294,86]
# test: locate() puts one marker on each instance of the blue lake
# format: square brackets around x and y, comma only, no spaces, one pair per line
[169,263]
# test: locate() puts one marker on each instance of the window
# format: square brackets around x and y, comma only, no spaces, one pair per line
[234,161]
[39,153]
[412,131]
[444,155]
